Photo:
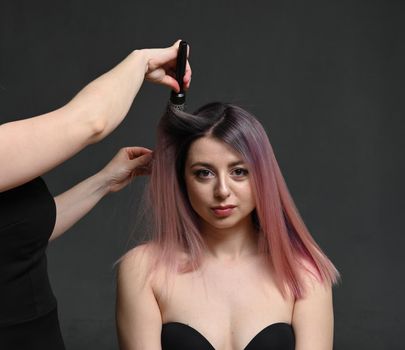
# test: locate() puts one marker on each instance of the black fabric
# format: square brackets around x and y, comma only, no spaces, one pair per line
[27,219]
[179,336]
[42,333]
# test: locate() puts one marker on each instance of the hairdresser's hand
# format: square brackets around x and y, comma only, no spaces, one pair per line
[161,67]
[127,163]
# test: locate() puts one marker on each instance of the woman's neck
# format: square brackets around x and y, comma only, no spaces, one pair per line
[231,243]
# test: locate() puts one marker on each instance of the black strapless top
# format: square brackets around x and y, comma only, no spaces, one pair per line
[27,219]
[179,336]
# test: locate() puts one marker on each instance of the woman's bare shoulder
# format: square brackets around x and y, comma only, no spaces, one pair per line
[312,278]
[147,259]
[140,257]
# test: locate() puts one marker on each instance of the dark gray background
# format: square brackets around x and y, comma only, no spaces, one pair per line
[324,77]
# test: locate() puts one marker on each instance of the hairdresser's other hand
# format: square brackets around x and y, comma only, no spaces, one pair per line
[161,66]
[127,163]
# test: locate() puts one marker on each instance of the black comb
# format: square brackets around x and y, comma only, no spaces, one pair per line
[178,99]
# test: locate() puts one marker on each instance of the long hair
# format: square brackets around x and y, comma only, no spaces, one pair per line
[283,237]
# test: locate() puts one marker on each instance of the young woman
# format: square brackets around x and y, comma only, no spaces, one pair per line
[230,264]
[30,216]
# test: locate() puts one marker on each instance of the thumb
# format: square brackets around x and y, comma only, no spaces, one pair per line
[136,152]
[142,165]
[142,160]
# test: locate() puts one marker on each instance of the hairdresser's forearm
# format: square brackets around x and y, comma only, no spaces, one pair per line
[76,202]
[31,147]
[105,101]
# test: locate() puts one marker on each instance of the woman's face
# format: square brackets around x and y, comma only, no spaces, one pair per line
[218,184]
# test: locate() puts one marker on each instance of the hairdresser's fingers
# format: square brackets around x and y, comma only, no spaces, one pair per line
[167,56]
[171,82]
[142,165]
[159,57]
[162,66]
[164,77]
[177,43]
[187,76]
[141,161]
[171,73]
[135,152]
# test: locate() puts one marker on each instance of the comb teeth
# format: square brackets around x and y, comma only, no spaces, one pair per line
[179,107]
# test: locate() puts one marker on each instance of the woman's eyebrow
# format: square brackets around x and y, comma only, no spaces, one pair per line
[208,165]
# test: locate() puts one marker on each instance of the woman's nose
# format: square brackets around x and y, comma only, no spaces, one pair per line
[222,189]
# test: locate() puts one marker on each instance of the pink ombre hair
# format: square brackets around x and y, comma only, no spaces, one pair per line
[283,236]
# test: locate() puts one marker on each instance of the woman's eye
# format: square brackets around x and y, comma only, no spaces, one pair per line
[240,172]
[203,173]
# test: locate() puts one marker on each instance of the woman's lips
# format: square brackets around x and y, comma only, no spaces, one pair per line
[223,211]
